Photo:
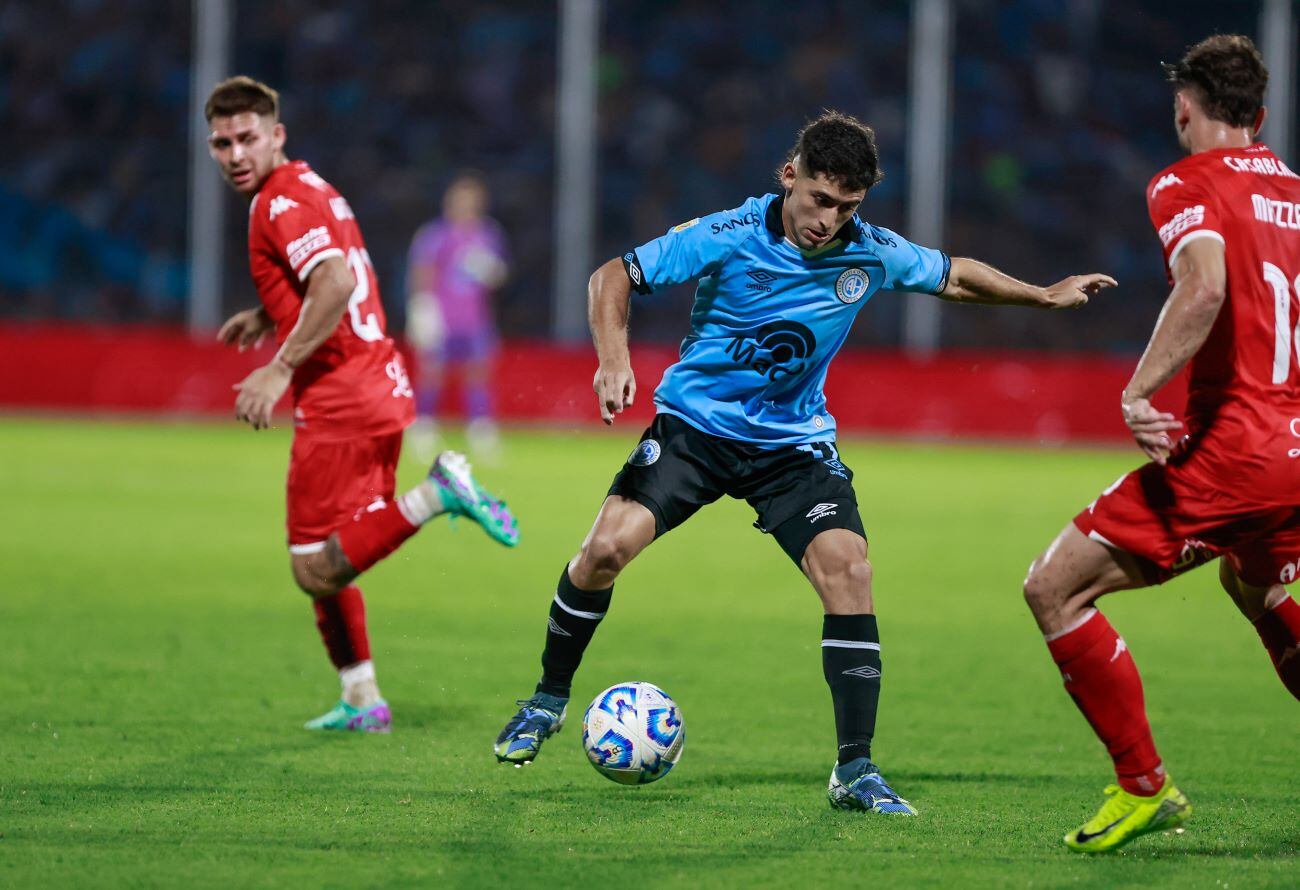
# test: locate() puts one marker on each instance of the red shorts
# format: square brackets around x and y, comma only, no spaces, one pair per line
[331,481]
[1172,522]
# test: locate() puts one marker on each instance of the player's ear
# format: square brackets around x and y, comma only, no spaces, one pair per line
[278,135]
[788,175]
[1260,117]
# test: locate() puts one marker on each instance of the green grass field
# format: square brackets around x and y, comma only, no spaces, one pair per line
[157,664]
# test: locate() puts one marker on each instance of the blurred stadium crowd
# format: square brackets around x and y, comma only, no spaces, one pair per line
[1059,119]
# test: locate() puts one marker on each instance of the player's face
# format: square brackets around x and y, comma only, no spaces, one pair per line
[815,207]
[466,201]
[246,146]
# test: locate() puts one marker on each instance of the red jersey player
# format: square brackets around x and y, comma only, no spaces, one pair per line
[1229,219]
[351,394]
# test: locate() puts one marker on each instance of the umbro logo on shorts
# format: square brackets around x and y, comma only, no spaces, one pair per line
[820,511]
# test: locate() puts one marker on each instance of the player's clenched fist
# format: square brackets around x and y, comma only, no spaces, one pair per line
[247,328]
[615,390]
[259,391]
[1075,290]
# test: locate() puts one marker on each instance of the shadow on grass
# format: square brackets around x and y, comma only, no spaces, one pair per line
[1277,845]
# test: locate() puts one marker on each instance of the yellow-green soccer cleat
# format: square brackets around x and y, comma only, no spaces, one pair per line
[1125,816]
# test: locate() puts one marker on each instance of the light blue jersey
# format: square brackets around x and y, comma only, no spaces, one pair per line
[768,318]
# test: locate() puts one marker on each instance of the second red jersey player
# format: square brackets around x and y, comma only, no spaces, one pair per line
[1231,485]
[1227,483]
[351,395]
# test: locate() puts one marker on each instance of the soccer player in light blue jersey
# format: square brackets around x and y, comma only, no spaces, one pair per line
[742,413]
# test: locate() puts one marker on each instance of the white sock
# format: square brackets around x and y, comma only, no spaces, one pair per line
[421,503]
[359,687]
[355,673]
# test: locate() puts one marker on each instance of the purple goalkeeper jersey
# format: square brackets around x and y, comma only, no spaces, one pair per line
[462,262]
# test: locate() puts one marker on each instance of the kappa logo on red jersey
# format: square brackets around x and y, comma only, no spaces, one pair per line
[342,210]
[300,249]
[312,178]
[1164,182]
[280,203]
[1183,220]
[1194,553]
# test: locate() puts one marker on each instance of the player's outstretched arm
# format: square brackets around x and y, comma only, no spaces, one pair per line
[970,281]
[609,294]
[329,286]
[1200,287]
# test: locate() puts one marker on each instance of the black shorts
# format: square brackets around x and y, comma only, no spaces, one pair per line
[798,491]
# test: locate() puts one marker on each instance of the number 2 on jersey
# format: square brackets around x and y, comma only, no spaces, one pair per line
[1286,339]
[367,328]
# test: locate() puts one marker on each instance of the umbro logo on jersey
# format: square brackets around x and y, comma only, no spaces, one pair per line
[281,203]
[866,672]
[635,274]
[820,511]
[761,280]
[1164,182]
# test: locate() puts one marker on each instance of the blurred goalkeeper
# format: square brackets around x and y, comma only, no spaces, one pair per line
[742,414]
[456,262]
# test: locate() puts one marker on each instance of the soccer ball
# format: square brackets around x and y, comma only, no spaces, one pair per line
[633,733]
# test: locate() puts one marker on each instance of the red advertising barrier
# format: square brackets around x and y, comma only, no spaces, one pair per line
[1013,395]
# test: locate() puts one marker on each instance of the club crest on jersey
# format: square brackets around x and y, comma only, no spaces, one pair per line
[279,204]
[852,285]
[682,227]
[646,453]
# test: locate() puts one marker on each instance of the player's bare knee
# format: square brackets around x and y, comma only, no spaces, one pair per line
[318,575]
[1041,594]
[603,555]
[842,575]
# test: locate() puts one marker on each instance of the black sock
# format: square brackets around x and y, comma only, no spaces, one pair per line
[851,663]
[575,615]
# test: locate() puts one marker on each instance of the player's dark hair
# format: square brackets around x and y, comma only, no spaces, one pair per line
[236,95]
[840,147]
[1227,75]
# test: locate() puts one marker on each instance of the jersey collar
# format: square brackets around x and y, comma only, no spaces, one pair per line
[850,232]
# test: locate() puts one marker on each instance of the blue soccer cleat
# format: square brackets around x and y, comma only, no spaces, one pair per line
[539,718]
[858,785]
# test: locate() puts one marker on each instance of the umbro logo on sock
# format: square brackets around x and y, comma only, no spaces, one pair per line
[866,672]
[556,629]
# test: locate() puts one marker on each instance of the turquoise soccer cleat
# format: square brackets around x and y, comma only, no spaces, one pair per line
[539,718]
[858,785]
[463,496]
[376,718]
